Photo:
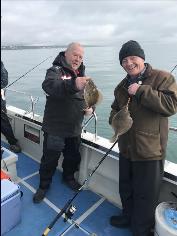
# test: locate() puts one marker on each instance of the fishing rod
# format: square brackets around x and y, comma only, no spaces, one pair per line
[69,209]
[27,72]
[173,68]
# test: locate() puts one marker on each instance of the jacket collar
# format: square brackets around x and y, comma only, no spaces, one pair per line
[61,61]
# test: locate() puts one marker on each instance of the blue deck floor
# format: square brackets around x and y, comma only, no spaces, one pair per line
[92,215]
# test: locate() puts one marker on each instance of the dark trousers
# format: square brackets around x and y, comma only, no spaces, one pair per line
[52,148]
[139,187]
[6,129]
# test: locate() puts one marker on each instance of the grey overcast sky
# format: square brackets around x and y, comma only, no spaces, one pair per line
[92,22]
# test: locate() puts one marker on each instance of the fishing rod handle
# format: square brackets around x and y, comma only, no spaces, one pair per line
[47,230]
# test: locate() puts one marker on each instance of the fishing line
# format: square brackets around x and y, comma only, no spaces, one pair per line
[26,73]
[68,206]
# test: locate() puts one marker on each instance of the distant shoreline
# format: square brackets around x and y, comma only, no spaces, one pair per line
[18,47]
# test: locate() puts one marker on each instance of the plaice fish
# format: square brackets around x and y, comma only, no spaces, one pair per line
[121,123]
[92,95]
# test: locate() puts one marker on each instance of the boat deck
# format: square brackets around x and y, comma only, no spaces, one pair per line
[91,218]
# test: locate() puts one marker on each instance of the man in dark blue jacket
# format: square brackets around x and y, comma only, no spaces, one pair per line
[6,128]
[64,112]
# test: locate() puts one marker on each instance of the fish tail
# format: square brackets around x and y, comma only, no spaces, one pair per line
[100,97]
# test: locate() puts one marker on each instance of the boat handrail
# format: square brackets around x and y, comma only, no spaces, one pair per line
[33,101]
[95,116]
[86,123]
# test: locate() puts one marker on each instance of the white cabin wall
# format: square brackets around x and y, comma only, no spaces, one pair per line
[105,180]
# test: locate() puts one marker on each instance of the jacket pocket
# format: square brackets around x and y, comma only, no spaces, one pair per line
[148,144]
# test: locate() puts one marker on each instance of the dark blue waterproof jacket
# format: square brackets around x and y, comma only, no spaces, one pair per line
[4,83]
[65,104]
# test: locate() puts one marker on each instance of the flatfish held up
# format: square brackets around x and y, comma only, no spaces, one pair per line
[92,95]
[121,123]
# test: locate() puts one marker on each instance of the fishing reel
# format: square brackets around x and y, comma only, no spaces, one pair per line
[70,212]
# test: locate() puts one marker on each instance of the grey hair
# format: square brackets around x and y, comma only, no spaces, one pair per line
[72,45]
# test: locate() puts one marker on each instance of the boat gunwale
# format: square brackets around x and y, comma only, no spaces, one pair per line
[168,176]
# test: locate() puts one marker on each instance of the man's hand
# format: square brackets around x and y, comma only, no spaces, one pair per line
[81,82]
[132,89]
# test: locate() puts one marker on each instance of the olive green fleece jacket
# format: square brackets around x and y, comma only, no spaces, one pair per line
[154,101]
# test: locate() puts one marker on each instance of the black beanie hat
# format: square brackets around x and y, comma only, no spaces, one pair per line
[131,48]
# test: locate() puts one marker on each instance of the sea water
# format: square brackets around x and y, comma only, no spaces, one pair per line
[102,64]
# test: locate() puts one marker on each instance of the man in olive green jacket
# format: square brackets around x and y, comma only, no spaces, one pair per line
[153,98]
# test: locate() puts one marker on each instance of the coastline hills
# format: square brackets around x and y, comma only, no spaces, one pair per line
[22,47]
